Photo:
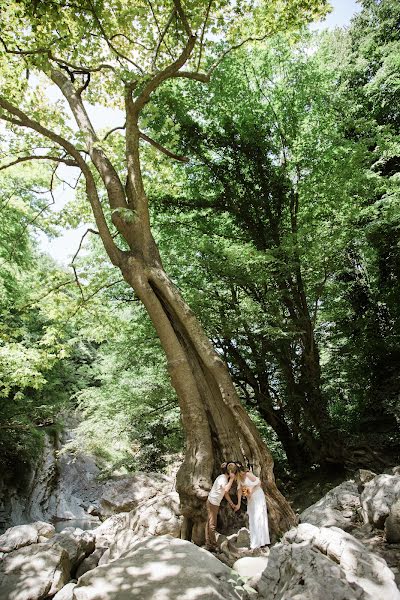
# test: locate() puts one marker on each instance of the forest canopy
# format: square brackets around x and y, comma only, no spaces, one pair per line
[271,170]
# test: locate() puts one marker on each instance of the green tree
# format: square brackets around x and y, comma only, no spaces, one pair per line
[87,51]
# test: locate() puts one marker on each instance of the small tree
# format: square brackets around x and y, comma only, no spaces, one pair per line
[118,53]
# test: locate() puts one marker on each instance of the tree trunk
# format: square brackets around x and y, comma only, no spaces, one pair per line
[217,427]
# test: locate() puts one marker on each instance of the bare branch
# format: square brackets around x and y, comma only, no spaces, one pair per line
[78,283]
[161,76]
[112,131]
[109,43]
[162,35]
[205,77]
[183,17]
[68,161]
[203,29]
[23,120]
[161,148]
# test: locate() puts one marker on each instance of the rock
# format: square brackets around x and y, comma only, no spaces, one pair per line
[123,494]
[90,562]
[337,508]
[124,540]
[314,563]
[251,568]
[362,477]
[243,538]
[94,511]
[23,535]
[77,543]
[156,516]
[59,485]
[378,496]
[392,524]
[159,568]
[66,593]
[33,572]
[105,533]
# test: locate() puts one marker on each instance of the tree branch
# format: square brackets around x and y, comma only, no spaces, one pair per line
[23,120]
[161,148]
[183,17]
[68,161]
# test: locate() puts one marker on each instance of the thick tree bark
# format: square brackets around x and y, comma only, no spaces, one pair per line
[216,425]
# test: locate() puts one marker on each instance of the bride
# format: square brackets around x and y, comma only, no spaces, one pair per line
[250,486]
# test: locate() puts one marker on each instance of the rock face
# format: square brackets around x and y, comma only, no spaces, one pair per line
[59,486]
[161,568]
[378,496]
[314,563]
[338,508]
[392,524]
[123,494]
[23,535]
[33,572]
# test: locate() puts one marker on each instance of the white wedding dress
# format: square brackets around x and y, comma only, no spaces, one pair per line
[258,515]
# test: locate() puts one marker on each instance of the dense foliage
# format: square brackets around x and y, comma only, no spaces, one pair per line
[281,228]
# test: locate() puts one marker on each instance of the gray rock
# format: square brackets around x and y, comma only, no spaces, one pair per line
[377,498]
[159,568]
[66,593]
[338,508]
[159,515]
[243,538]
[123,494]
[362,477]
[90,562]
[251,568]
[23,535]
[33,572]
[77,544]
[314,563]
[392,524]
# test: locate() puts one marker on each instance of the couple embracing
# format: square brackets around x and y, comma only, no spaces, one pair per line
[249,486]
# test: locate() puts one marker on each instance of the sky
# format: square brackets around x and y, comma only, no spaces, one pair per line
[64,247]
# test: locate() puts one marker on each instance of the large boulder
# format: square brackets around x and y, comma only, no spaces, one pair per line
[314,563]
[77,543]
[34,572]
[159,568]
[392,524]
[23,535]
[377,498]
[123,494]
[338,508]
[159,515]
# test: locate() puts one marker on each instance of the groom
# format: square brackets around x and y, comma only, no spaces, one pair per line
[220,488]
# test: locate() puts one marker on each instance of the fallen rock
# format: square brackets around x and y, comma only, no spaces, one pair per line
[392,524]
[157,516]
[90,562]
[34,572]
[159,568]
[66,593]
[377,498]
[362,477]
[123,494]
[23,535]
[77,543]
[314,563]
[251,568]
[338,508]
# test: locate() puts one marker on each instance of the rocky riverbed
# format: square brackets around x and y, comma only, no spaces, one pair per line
[346,546]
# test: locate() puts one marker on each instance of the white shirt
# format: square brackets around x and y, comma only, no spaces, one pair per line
[217,491]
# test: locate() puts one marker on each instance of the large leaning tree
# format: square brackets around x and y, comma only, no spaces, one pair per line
[59,57]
